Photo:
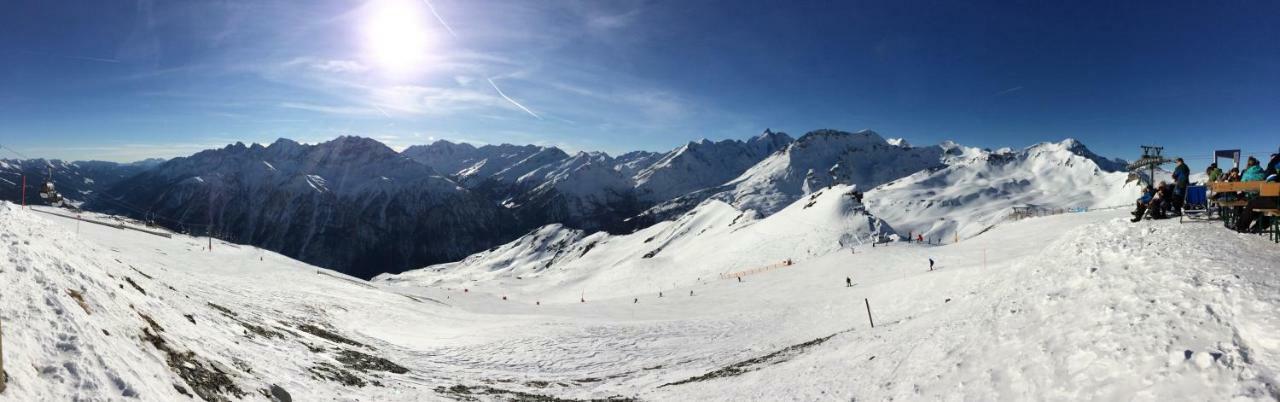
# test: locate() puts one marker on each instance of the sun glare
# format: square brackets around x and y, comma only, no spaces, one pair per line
[397,37]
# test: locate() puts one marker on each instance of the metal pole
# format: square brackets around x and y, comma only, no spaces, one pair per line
[868,303]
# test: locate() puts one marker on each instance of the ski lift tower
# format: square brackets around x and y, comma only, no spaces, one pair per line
[1151,159]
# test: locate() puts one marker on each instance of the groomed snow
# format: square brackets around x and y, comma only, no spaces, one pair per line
[1069,307]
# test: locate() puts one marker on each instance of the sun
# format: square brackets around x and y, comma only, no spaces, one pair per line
[397,35]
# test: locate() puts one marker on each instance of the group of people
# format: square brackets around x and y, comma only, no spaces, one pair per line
[1248,219]
[1164,199]
[1253,171]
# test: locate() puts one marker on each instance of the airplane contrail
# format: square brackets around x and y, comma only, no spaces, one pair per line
[513,101]
[1009,91]
[439,18]
[68,56]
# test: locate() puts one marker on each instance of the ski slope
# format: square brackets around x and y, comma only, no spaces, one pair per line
[1068,307]
[555,262]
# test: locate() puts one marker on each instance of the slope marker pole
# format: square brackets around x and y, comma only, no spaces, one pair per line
[868,303]
[24,206]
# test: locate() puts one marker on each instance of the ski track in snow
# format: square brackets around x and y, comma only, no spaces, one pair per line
[1069,307]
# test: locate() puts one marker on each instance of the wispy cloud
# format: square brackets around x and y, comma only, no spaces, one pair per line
[340,66]
[342,110]
[430,100]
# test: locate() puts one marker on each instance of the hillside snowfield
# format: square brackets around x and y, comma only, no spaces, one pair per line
[1068,307]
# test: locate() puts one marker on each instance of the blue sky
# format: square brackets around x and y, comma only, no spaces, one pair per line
[124,80]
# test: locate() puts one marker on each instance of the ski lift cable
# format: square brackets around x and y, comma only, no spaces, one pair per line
[141,211]
[19,154]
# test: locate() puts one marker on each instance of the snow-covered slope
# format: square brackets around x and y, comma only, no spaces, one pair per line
[979,188]
[712,239]
[1071,307]
[95,313]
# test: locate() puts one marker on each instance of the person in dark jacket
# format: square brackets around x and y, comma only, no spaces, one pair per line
[1163,200]
[1182,179]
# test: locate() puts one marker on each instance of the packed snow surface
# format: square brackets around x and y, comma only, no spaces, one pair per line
[1068,307]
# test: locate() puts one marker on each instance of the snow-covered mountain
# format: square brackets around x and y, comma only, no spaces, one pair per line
[78,181]
[472,166]
[584,191]
[822,158]
[631,163]
[704,164]
[817,159]
[351,203]
[714,238]
[979,188]
[592,190]
[462,199]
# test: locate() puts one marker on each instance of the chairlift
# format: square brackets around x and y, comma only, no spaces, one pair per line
[50,193]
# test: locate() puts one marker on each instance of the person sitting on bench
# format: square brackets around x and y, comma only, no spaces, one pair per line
[1248,215]
[1144,202]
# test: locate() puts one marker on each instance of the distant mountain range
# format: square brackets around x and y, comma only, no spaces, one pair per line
[356,205]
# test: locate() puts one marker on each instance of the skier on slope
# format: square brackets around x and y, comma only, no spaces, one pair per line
[930,264]
[848,282]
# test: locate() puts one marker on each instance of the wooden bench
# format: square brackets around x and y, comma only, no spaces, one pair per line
[1226,209]
[1273,230]
[1269,190]
[1263,188]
